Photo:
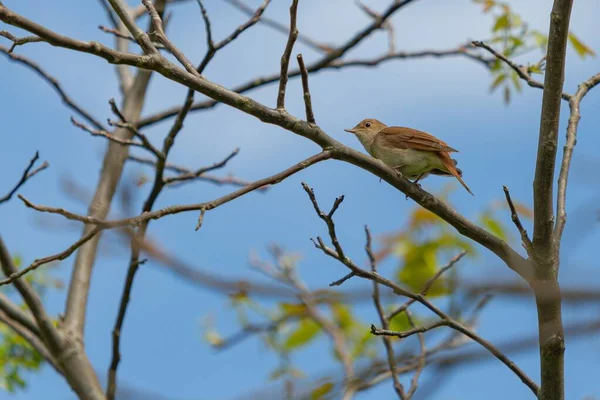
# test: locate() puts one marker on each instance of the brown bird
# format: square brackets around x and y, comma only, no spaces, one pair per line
[413,153]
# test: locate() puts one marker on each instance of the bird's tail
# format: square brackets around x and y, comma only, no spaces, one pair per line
[450,165]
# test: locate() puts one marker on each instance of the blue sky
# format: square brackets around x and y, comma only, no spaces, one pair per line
[163,350]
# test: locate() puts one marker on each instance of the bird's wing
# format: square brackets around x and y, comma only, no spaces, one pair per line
[408,138]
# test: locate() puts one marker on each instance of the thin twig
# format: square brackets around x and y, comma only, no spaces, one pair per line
[55,84]
[310,116]
[201,171]
[387,25]
[48,331]
[129,38]
[414,383]
[280,27]
[515,218]
[162,38]
[255,17]
[385,323]
[227,180]
[19,41]
[445,320]
[520,70]
[41,261]
[28,173]
[563,177]
[285,58]
[32,339]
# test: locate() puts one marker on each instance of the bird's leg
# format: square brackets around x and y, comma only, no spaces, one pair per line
[416,182]
[397,170]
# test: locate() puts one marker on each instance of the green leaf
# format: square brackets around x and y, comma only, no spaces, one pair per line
[213,338]
[580,48]
[516,80]
[502,22]
[293,309]
[321,391]
[400,323]
[499,79]
[541,40]
[493,226]
[534,69]
[343,316]
[306,331]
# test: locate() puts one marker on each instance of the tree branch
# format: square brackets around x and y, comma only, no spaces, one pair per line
[153,215]
[515,218]
[315,67]
[385,323]
[31,338]
[563,177]
[445,320]
[310,116]
[548,137]
[520,70]
[13,312]
[27,174]
[41,261]
[285,58]
[55,84]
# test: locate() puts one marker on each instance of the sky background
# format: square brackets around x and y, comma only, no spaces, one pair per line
[163,351]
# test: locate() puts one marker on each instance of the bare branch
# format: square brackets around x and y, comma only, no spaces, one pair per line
[228,180]
[546,159]
[16,314]
[106,224]
[525,241]
[31,338]
[520,70]
[41,261]
[55,84]
[109,13]
[140,10]
[209,39]
[563,177]
[117,33]
[280,27]
[552,339]
[105,134]
[285,58]
[47,330]
[162,38]
[449,322]
[385,323]
[27,174]
[445,320]
[414,383]
[310,116]
[254,18]
[201,171]
[142,38]
[273,116]
[19,41]
[387,25]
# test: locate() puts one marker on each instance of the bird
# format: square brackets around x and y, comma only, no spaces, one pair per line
[413,153]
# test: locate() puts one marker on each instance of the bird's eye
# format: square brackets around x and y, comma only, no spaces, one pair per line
[368,124]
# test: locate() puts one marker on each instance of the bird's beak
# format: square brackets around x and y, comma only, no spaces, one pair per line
[350,130]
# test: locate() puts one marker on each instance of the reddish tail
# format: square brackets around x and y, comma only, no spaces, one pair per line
[449,164]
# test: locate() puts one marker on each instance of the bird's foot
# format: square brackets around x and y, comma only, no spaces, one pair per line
[415,183]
